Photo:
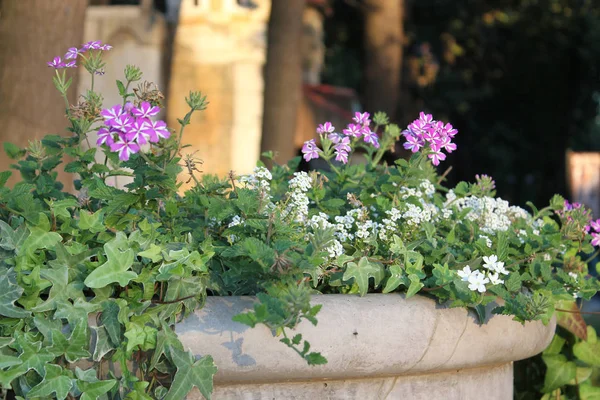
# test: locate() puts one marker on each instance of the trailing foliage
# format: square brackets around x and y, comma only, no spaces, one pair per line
[91,285]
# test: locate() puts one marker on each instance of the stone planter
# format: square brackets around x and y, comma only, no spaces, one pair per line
[378,347]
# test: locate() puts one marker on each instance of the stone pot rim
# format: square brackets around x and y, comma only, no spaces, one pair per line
[377,335]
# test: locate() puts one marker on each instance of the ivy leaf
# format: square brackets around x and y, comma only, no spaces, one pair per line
[559,373]
[110,321]
[165,338]
[191,373]
[40,237]
[75,347]
[588,351]
[588,391]
[396,279]
[116,268]
[94,390]
[103,344]
[361,273]
[12,239]
[571,321]
[92,222]
[54,382]
[139,334]
[9,293]
[415,285]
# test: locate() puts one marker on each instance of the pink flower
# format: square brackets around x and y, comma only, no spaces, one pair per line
[145,110]
[343,144]
[327,127]
[136,132]
[92,45]
[370,137]
[412,143]
[110,114]
[56,63]
[158,129]
[105,136]
[72,53]
[334,137]
[123,122]
[595,225]
[310,150]
[436,157]
[425,118]
[446,143]
[354,130]
[362,119]
[341,156]
[125,148]
[596,239]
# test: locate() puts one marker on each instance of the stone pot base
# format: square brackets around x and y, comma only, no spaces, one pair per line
[491,383]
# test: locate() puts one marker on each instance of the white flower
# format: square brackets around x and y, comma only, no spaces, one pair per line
[490,262]
[465,274]
[494,279]
[488,241]
[573,275]
[237,220]
[547,257]
[500,268]
[477,282]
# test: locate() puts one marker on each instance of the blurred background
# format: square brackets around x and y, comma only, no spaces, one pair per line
[519,79]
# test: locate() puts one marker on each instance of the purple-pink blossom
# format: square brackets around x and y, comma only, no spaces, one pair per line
[341,156]
[73,53]
[92,45]
[145,110]
[343,144]
[362,118]
[56,63]
[436,134]
[310,150]
[370,137]
[354,130]
[327,127]
[595,239]
[125,148]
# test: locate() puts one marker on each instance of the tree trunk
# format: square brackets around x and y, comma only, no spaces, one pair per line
[283,78]
[384,28]
[33,32]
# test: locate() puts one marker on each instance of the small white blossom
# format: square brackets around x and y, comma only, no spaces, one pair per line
[488,241]
[494,279]
[477,282]
[547,257]
[573,275]
[237,220]
[465,274]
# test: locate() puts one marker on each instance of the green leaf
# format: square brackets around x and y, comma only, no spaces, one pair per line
[54,382]
[165,338]
[12,239]
[10,292]
[4,175]
[361,273]
[138,334]
[92,222]
[589,392]
[121,87]
[116,268]
[415,285]
[110,320]
[40,237]
[75,347]
[588,351]
[191,373]
[583,374]
[103,345]
[396,279]
[559,373]
[95,390]
[555,346]
[13,151]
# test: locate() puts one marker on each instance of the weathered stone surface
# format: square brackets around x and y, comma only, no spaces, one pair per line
[219,49]
[424,347]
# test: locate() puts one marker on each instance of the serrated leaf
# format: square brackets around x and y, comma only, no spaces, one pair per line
[54,382]
[361,273]
[191,373]
[13,151]
[116,268]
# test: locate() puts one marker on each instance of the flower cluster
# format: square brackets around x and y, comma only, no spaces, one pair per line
[427,132]
[70,58]
[477,279]
[342,143]
[127,127]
